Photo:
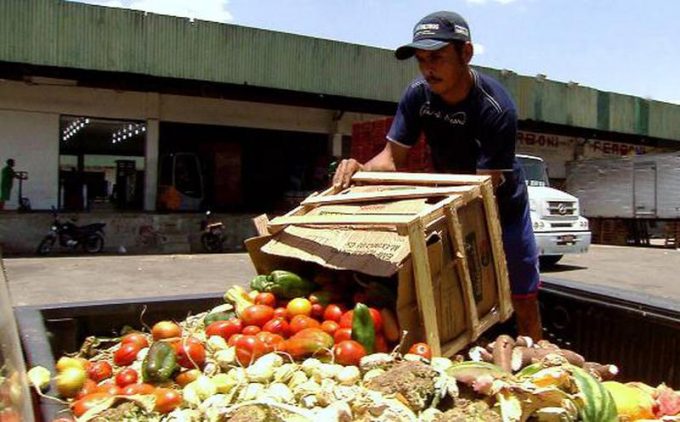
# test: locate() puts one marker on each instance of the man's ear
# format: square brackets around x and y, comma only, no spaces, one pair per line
[468,52]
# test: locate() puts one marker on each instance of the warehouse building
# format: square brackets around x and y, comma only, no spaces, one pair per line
[126,115]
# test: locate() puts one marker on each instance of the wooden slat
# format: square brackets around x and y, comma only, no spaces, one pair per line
[456,236]
[303,209]
[369,177]
[340,219]
[488,320]
[496,237]
[423,283]
[417,192]
[260,223]
[456,345]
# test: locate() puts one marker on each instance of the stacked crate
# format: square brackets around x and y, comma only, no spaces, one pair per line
[672,234]
[609,231]
[368,139]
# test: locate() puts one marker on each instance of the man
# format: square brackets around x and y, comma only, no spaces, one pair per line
[470,124]
[8,176]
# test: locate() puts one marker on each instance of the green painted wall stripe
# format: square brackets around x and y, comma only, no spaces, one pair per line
[80,36]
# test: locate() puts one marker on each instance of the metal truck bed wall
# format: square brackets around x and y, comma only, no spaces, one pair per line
[642,186]
[49,331]
[605,326]
[638,333]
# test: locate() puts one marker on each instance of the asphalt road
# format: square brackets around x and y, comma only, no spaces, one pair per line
[646,272]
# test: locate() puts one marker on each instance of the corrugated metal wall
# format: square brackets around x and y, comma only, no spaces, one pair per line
[74,35]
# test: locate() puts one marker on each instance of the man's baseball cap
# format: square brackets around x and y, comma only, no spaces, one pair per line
[435,31]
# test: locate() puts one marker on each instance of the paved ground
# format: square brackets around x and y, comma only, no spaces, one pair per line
[34,281]
[650,271]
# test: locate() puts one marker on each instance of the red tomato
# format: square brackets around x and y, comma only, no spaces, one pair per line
[280,312]
[342,334]
[266,298]
[349,352]
[126,377]
[251,330]
[381,344]
[421,349]
[137,338]
[333,312]
[140,389]
[377,319]
[191,353]
[346,319]
[300,322]
[167,400]
[249,348]
[81,406]
[224,329]
[126,354]
[233,339]
[165,329]
[271,340]
[185,377]
[330,327]
[257,315]
[88,388]
[110,388]
[277,326]
[317,311]
[99,371]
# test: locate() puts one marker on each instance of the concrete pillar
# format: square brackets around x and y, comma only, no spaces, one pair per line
[151,165]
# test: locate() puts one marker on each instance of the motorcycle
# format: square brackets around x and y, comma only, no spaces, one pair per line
[213,236]
[90,237]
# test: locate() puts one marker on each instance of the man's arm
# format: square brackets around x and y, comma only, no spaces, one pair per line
[391,157]
[497,176]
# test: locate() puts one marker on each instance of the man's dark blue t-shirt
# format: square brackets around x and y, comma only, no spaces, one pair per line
[477,133]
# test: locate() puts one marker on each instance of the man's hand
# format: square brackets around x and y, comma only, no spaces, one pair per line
[344,172]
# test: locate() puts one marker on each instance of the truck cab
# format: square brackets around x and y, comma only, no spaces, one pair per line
[558,226]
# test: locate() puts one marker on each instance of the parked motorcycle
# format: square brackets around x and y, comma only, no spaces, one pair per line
[89,237]
[213,236]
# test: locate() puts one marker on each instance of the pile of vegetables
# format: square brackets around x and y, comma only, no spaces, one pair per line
[293,349]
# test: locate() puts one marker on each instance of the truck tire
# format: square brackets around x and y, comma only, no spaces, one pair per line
[549,260]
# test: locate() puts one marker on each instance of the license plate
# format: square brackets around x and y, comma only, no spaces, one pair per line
[567,238]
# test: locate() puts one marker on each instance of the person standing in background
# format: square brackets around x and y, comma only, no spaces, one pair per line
[7,182]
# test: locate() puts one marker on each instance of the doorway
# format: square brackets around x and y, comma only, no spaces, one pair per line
[101,163]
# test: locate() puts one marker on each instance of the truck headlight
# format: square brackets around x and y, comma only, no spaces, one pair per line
[538,225]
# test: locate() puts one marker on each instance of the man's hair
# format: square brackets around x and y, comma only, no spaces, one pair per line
[458,46]
[10,161]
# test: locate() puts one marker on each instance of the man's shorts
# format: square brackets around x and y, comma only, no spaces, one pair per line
[521,254]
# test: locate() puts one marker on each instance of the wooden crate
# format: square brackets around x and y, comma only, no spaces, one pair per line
[439,234]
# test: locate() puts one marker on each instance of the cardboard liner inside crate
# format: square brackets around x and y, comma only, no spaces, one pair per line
[377,253]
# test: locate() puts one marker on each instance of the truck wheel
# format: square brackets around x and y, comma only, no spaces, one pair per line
[549,260]
[45,246]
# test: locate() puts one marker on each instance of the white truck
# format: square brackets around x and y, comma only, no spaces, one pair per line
[558,226]
[637,187]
